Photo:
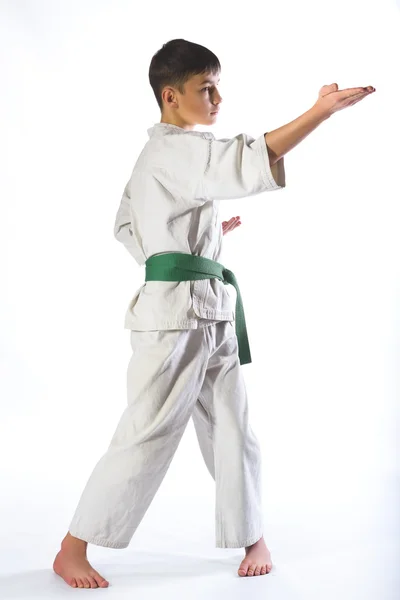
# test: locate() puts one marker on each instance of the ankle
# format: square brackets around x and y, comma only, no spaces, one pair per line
[72,541]
[257,543]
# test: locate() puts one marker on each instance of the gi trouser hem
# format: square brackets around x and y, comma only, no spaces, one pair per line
[245,544]
[120,545]
[98,541]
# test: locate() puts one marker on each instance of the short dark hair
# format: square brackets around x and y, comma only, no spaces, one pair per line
[176,62]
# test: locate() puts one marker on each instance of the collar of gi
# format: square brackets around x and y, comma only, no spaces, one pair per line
[160,129]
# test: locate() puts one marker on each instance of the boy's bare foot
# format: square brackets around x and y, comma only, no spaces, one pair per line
[73,566]
[257,560]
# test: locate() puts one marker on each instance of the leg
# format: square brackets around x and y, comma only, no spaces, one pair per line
[230,449]
[164,378]
[165,375]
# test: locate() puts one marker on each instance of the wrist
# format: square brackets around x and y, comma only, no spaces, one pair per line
[319,113]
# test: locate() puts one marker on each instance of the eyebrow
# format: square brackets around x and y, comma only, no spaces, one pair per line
[208,81]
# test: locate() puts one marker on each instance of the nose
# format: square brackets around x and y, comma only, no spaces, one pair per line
[217,100]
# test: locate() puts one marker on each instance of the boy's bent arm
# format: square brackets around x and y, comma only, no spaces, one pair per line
[281,140]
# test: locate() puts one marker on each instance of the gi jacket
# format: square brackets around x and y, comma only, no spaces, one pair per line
[170,204]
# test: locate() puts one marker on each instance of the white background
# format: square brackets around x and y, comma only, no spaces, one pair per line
[317,264]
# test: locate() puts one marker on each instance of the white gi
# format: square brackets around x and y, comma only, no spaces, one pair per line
[185,354]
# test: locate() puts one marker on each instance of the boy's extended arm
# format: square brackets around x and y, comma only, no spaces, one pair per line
[281,140]
[330,100]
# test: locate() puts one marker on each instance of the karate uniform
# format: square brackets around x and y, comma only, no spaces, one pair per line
[184,359]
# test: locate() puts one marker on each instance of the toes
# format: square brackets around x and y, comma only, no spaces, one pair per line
[243,569]
[79,582]
[251,570]
[73,583]
[92,581]
[263,570]
[101,582]
[86,582]
[258,570]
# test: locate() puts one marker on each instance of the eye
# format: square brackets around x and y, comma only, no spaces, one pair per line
[206,88]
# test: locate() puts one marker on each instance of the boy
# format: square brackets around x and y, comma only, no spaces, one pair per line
[188,342]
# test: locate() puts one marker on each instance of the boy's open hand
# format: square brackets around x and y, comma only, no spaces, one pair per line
[230,225]
[331,99]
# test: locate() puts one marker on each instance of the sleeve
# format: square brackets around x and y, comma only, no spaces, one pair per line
[239,167]
[124,230]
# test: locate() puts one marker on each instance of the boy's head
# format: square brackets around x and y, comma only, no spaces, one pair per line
[178,74]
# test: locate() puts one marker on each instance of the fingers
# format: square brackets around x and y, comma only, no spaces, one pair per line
[352,102]
[355,92]
[231,224]
[353,99]
[356,98]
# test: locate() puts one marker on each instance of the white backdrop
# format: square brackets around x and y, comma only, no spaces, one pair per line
[317,264]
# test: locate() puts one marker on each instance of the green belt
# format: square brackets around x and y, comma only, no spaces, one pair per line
[177,266]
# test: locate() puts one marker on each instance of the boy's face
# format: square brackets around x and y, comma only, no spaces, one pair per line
[196,106]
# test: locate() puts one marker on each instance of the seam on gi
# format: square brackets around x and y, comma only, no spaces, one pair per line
[204,189]
[189,324]
[209,156]
[207,334]
[202,401]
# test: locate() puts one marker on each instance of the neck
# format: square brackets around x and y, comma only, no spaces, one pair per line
[176,120]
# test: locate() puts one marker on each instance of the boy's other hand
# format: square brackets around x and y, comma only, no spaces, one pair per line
[230,225]
[331,99]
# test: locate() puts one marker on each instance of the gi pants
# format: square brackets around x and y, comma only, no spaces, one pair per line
[174,375]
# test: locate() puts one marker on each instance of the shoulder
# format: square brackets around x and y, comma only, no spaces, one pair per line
[175,152]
